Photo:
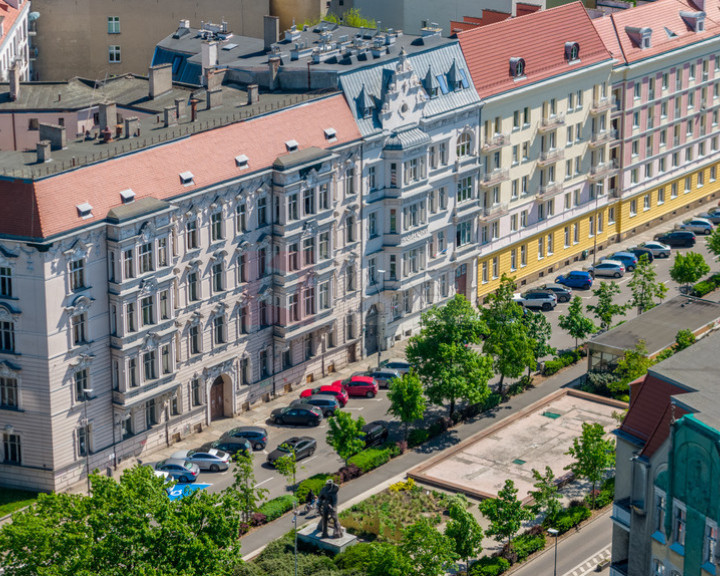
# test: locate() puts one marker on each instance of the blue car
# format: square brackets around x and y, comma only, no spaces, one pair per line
[629,259]
[575,279]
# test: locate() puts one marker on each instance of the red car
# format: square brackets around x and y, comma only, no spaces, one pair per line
[360,386]
[332,389]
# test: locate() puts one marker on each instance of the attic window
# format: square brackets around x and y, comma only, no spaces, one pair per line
[572,51]
[517,67]
[463,82]
[187,178]
[330,134]
[694,20]
[291,145]
[84,210]
[670,33]
[442,81]
[127,196]
[241,161]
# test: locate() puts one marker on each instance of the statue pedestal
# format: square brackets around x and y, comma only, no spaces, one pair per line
[312,535]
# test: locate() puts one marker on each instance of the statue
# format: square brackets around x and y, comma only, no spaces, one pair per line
[327,505]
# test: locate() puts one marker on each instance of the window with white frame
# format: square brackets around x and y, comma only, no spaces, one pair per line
[147,309]
[191,235]
[113,25]
[6,282]
[11,448]
[464,145]
[149,368]
[194,338]
[464,233]
[679,523]
[241,217]
[218,283]
[216,226]
[464,189]
[9,393]
[79,328]
[114,54]
[219,330]
[710,542]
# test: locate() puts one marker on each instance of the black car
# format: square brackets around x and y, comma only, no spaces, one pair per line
[256,435]
[677,238]
[229,445]
[303,446]
[641,252]
[563,293]
[328,404]
[305,414]
[375,433]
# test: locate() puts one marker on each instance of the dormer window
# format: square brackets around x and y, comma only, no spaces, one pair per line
[241,161]
[84,210]
[330,134]
[187,178]
[572,51]
[127,196]
[291,145]
[517,67]
[694,20]
[640,36]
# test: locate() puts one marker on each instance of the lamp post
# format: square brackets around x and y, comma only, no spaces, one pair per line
[377,328]
[597,229]
[86,423]
[295,515]
[554,532]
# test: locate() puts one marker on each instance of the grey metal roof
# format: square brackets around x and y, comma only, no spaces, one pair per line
[136,209]
[299,157]
[407,139]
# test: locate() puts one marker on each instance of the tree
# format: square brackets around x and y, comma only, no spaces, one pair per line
[429,550]
[386,559]
[605,309]
[575,323]
[684,339]
[593,455]
[634,363]
[446,363]
[125,527]
[545,496]
[506,513]
[249,496]
[287,467]
[464,531]
[407,401]
[539,331]
[688,268]
[713,242]
[644,285]
[345,435]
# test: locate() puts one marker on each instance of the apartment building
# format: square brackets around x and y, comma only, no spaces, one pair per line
[665,517]
[14,40]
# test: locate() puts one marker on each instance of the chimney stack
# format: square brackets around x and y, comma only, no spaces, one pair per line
[214,98]
[132,126]
[181,107]
[43,151]
[271,30]
[170,117]
[107,113]
[14,80]
[253,94]
[209,57]
[160,78]
[53,133]
[274,65]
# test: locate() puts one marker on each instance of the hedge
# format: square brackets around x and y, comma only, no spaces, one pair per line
[570,517]
[706,286]
[314,483]
[370,459]
[273,509]
[489,566]
[417,436]
[563,359]
[526,544]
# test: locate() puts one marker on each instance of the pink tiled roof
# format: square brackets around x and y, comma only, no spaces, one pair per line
[539,39]
[661,16]
[522,9]
[47,207]
[10,15]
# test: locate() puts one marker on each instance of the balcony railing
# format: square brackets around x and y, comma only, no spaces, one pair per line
[600,138]
[550,190]
[603,170]
[600,105]
[495,142]
[551,156]
[490,179]
[495,211]
[621,513]
[551,122]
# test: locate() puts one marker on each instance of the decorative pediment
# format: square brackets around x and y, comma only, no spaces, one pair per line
[9,369]
[218,256]
[220,309]
[195,318]
[150,341]
[6,257]
[77,251]
[213,372]
[243,246]
[147,232]
[80,304]
[148,286]
[83,361]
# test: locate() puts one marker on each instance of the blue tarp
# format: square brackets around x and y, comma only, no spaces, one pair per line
[180,490]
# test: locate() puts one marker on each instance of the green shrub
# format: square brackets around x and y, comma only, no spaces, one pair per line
[664,355]
[492,401]
[355,558]
[489,566]
[569,518]
[552,366]
[314,483]
[684,339]
[417,436]
[526,544]
[276,507]
[704,287]
[370,459]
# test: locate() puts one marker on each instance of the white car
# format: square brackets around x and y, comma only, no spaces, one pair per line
[658,249]
[697,225]
[611,268]
[543,299]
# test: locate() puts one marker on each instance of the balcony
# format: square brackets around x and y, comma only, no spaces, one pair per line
[551,156]
[600,106]
[621,514]
[495,211]
[598,139]
[490,179]
[603,170]
[551,190]
[551,122]
[495,142]
[619,569]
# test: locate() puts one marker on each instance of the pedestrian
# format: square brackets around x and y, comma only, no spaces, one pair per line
[310,501]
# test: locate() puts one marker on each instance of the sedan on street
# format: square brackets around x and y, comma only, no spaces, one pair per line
[640,252]
[713,215]
[402,366]
[658,249]
[256,435]
[326,402]
[628,259]
[360,386]
[213,460]
[576,279]
[179,470]
[563,293]
[384,376]
[303,446]
[302,414]
[697,225]
[333,389]
[228,444]
[611,268]
[677,238]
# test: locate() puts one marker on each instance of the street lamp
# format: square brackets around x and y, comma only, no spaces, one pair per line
[86,399]
[554,532]
[294,519]
[595,224]
[382,272]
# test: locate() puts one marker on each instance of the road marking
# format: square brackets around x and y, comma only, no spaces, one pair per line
[310,459]
[265,481]
[356,408]
[624,280]
[590,563]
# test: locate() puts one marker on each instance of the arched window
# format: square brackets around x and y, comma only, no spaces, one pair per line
[464,144]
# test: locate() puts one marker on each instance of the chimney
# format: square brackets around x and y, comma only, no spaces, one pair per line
[209,57]
[132,126]
[53,133]
[170,117]
[43,151]
[160,78]
[193,109]
[14,80]
[214,79]
[107,115]
[274,65]
[184,24]
[253,94]
[214,98]
[271,29]
[180,107]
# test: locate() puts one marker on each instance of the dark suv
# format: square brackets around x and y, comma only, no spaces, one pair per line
[375,433]
[677,238]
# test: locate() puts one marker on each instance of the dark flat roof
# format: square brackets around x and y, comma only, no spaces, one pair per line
[299,157]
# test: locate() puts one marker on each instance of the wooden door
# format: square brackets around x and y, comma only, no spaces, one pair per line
[217,400]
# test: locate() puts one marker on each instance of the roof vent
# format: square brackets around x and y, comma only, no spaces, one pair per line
[127,196]
[187,178]
[330,134]
[241,161]
[291,145]
[572,51]
[84,210]
[517,67]
[694,20]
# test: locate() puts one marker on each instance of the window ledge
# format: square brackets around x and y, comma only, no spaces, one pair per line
[659,536]
[678,548]
[12,408]
[709,568]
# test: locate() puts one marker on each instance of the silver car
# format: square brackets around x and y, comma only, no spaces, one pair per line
[179,470]
[611,268]
[713,215]
[658,249]
[213,460]
[697,225]
[402,366]
[384,376]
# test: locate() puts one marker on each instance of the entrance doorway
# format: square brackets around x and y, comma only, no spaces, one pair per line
[461,280]
[217,399]
[371,330]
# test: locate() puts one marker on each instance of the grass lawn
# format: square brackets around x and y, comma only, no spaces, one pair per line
[11,500]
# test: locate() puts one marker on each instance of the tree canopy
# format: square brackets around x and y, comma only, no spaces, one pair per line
[688,268]
[506,513]
[606,308]
[593,454]
[407,400]
[575,323]
[645,286]
[345,435]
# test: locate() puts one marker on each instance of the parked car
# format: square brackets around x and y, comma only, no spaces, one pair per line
[303,446]
[375,433]
[611,268]
[326,402]
[543,299]
[576,279]
[301,414]
[179,470]
[256,435]
[658,249]
[713,215]
[402,366]
[384,376]
[333,389]
[563,293]
[697,225]
[677,238]
[639,252]
[213,459]
[230,445]
[628,259]
[360,386]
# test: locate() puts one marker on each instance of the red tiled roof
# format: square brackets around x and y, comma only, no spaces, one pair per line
[539,39]
[662,430]
[659,16]
[470,22]
[10,15]
[461,26]
[522,9]
[47,207]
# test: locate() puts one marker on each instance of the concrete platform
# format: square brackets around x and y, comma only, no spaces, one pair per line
[535,437]
[311,535]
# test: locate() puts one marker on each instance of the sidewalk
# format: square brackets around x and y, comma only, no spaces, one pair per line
[380,478]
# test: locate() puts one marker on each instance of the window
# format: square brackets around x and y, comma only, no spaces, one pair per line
[325,296]
[216,226]
[262,262]
[464,233]
[350,279]
[262,313]
[162,252]
[193,287]
[541,248]
[591,227]
[523,255]
[217,277]
[465,189]
[132,372]
[191,233]
[148,315]
[576,233]
[166,362]
[113,23]
[262,211]
[244,319]
[294,307]
[464,145]
[219,330]
[241,218]
[700,179]
[710,543]
[495,267]
[350,182]
[679,522]
[292,207]
[324,246]
[293,257]
[78,328]
[81,385]
[150,413]
[309,201]
[11,448]
[633,208]
[5,282]
[8,393]
[194,334]
[550,244]
[393,267]
[673,190]
[146,258]
[658,568]
[77,274]
[350,229]
[195,392]
[114,54]
[567,236]
[485,279]
[349,327]
[372,181]
[524,219]
[243,267]
[513,259]
[149,371]
[688,184]
[646,202]
[309,251]
[372,225]
[660,508]
[130,317]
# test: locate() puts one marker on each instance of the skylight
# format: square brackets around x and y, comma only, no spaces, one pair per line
[127,196]
[187,178]
[291,145]
[241,161]
[84,210]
